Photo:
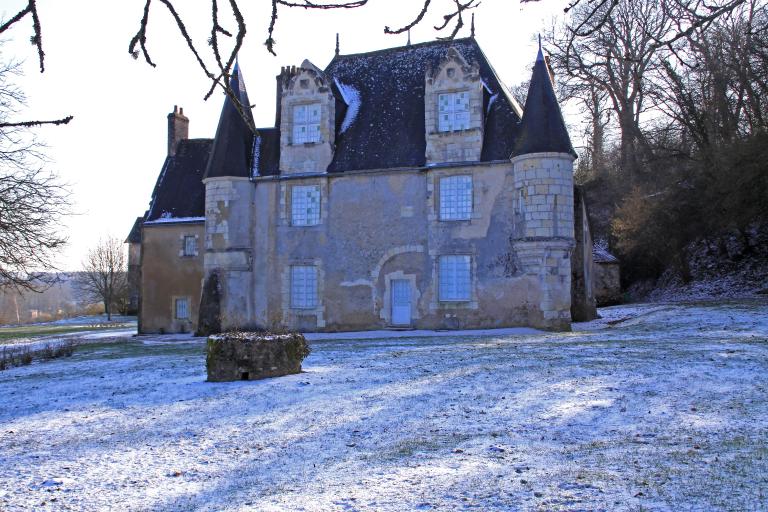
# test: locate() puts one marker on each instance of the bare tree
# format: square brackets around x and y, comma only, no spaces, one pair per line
[32,198]
[216,60]
[104,276]
[616,62]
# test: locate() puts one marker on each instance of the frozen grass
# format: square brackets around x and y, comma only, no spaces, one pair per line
[14,334]
[654,407]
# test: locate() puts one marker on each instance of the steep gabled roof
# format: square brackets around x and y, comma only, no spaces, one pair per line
[179,192]
[134,237]
[231,154]
[388,128]
[543,128]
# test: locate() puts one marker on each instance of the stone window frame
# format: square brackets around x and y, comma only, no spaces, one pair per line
[295,217]
[304,304]
[443,211]
[306,104]
[453,93]
[442,273]
[189,245]
[177,301]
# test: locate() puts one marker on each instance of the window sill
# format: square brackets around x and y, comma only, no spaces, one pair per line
[467,220]
[446,132]
[305,144]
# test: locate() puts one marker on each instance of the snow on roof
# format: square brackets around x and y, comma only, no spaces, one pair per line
[352,98]
[256,157]
[166,218]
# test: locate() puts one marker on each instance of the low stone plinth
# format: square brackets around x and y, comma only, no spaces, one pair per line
[254,355]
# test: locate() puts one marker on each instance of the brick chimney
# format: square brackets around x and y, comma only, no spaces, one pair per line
[178,129]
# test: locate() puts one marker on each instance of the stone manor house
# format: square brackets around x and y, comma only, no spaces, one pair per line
[401,188]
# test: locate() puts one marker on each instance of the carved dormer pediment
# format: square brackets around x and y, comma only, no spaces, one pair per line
[307,121]
[453,110]
[453,67]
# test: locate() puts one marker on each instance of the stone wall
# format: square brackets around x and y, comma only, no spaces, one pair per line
[583,306]
[229,233]
[607,284]
[253,356]
[380,226]
[166,275]
[544,182]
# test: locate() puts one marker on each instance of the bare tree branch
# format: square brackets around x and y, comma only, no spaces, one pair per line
[30,124]
[32,199]
[37,33]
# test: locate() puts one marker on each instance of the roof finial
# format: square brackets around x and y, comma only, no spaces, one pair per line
[337,43]
[472,28]
[540,56]
[409,38]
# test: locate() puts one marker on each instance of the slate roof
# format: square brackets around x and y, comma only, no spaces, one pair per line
[388,130]
[179,192]
[134,237]
[233,146]
[543,128]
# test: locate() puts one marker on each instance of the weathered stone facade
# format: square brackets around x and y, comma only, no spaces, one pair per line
[168,275]
[515,281]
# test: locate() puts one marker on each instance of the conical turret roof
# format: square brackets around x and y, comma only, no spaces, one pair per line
[542,129]
[233,146]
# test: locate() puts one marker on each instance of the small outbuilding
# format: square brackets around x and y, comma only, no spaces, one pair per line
[607,282]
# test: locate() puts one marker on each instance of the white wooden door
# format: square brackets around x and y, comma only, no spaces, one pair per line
[401,302]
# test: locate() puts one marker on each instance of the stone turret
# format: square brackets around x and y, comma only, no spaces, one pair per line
[543,180]
[228,200]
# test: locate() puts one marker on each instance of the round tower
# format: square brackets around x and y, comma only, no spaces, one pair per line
[226,301]
[543,179]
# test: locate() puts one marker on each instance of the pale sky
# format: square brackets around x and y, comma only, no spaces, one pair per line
[112,152]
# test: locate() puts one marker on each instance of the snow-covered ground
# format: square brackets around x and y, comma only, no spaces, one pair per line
[653,407]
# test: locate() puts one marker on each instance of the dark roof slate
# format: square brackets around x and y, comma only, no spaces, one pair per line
[543,128]
[134,237]
[233,146]
[389,130]
[266,152]
[179,191]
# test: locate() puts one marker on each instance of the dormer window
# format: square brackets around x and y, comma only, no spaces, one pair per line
[306,123]
[453,111]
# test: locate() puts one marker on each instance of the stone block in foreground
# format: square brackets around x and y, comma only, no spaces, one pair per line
[253,355]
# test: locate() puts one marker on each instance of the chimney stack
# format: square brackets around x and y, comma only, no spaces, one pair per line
[178,129]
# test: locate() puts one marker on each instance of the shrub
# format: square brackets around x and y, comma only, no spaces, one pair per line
[25,357]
